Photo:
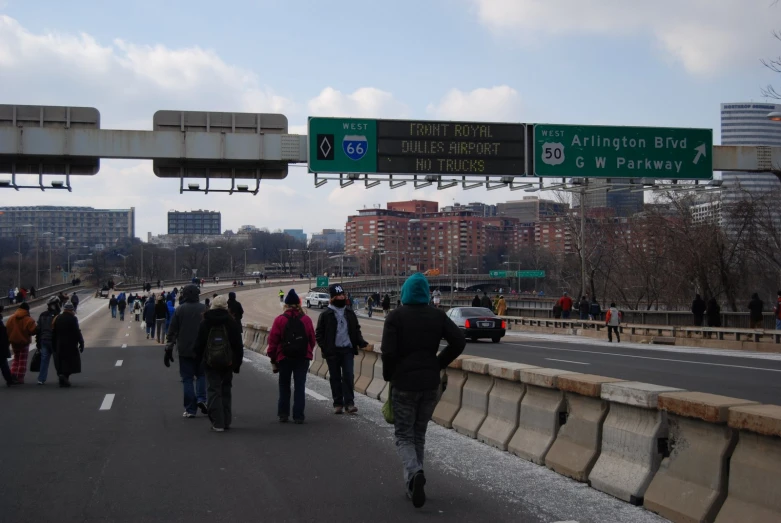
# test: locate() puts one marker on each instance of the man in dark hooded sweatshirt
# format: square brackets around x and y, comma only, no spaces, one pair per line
[235,308]
[338,334]
[182,333]
[220,379]
[756,309]
[410,341]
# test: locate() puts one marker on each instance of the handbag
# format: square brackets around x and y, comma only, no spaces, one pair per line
[35,361]
[387,407]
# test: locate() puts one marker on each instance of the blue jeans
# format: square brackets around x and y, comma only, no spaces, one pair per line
[150,328]
[114,311]
[189,370]
[298,369]
[341,372]
[122,314]
[778,324]
[412,410]
[46,354]
[5,369]
[565,315]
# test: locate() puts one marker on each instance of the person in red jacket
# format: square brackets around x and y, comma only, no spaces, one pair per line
[291,344]
[565,302]
[21,328]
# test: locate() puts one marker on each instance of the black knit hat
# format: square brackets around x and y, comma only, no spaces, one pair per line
[335,290]
[292,298]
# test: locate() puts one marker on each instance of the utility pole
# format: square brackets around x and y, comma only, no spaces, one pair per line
[583,238]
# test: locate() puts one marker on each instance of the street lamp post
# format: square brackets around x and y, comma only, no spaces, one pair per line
[124,262]
[208,259]
[19,268]
[245,257]
[49,237]
[176,273]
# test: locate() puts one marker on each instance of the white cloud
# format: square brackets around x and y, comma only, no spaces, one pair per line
[705,36]
[501,104]
[366,102]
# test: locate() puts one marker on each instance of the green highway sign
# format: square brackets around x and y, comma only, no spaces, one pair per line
[565,151]
[516,274]
[322,281]
[530,274]
[342,145]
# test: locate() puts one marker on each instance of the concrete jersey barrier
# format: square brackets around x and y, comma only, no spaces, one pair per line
[540,414]
[474,399]
[701,447]
[579,440]
[504,404]
[631,436]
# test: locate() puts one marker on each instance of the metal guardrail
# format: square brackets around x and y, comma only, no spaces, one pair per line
[43,292]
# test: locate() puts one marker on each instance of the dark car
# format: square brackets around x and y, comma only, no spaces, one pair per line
[478,322]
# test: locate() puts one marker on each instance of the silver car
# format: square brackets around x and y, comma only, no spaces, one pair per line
[318,299]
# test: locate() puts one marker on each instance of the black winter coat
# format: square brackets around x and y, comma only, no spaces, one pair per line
[486,302]
[66,342]
[476,302]
[236,310]
[756,308]
[410,341]
[714,313]
[216,318]
[43,331]
[161,310]
[112,303]
[5,349]
[325,333]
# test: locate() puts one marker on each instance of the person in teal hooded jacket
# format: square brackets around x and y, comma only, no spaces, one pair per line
[410,341]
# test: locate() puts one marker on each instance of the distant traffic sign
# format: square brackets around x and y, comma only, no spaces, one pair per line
[530,274]
[622,152]
[322,281]
[516,274]
[468,148]
[342,145]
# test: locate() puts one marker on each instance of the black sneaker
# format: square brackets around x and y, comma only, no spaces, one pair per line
[283,419]
[416,491]
[202,406]
[298,421]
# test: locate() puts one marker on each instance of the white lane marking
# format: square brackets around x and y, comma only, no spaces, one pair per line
[107,402]
[124,345]
[568,361]
[119,363]
[126,335]
[646,357]
[90,315]
[128,326]
[315,395]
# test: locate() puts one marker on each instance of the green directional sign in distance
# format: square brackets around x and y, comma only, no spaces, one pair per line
[623,152]
[322,281]
[529,274]
[342,145]
[497,274]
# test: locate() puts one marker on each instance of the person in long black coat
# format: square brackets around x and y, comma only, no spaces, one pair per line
[5,352]
[68,344]
[713,312]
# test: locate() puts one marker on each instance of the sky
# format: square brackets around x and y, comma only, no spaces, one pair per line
[666,63]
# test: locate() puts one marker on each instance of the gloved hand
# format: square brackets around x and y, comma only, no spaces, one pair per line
[169,355]
[81,349]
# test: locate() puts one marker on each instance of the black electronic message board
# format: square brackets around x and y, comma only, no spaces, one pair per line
[467,148]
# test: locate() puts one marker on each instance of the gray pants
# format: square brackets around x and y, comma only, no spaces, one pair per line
[412,410]
[219,397]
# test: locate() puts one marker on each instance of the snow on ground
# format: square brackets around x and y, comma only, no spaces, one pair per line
[492,472]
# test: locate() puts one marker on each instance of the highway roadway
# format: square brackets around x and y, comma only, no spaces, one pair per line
[115,447]
[753,376]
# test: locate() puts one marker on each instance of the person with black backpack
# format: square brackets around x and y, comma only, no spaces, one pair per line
[220,348]
[291,344]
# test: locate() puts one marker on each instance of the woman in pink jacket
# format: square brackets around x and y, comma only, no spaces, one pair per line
[291,344]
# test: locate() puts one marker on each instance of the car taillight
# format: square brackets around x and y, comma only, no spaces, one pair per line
[467,325]
[504,324]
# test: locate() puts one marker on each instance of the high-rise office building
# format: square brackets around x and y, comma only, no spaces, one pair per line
[747,124]
[615,194]
[194,222]
[297,234]
[95,228]
[329,238]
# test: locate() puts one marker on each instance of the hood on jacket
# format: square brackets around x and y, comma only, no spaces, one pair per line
[217,316]
[191,294]
[231,296]
[21,312]
[755,296]
[415,290]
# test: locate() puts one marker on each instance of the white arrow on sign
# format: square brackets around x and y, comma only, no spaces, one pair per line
[700,152]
